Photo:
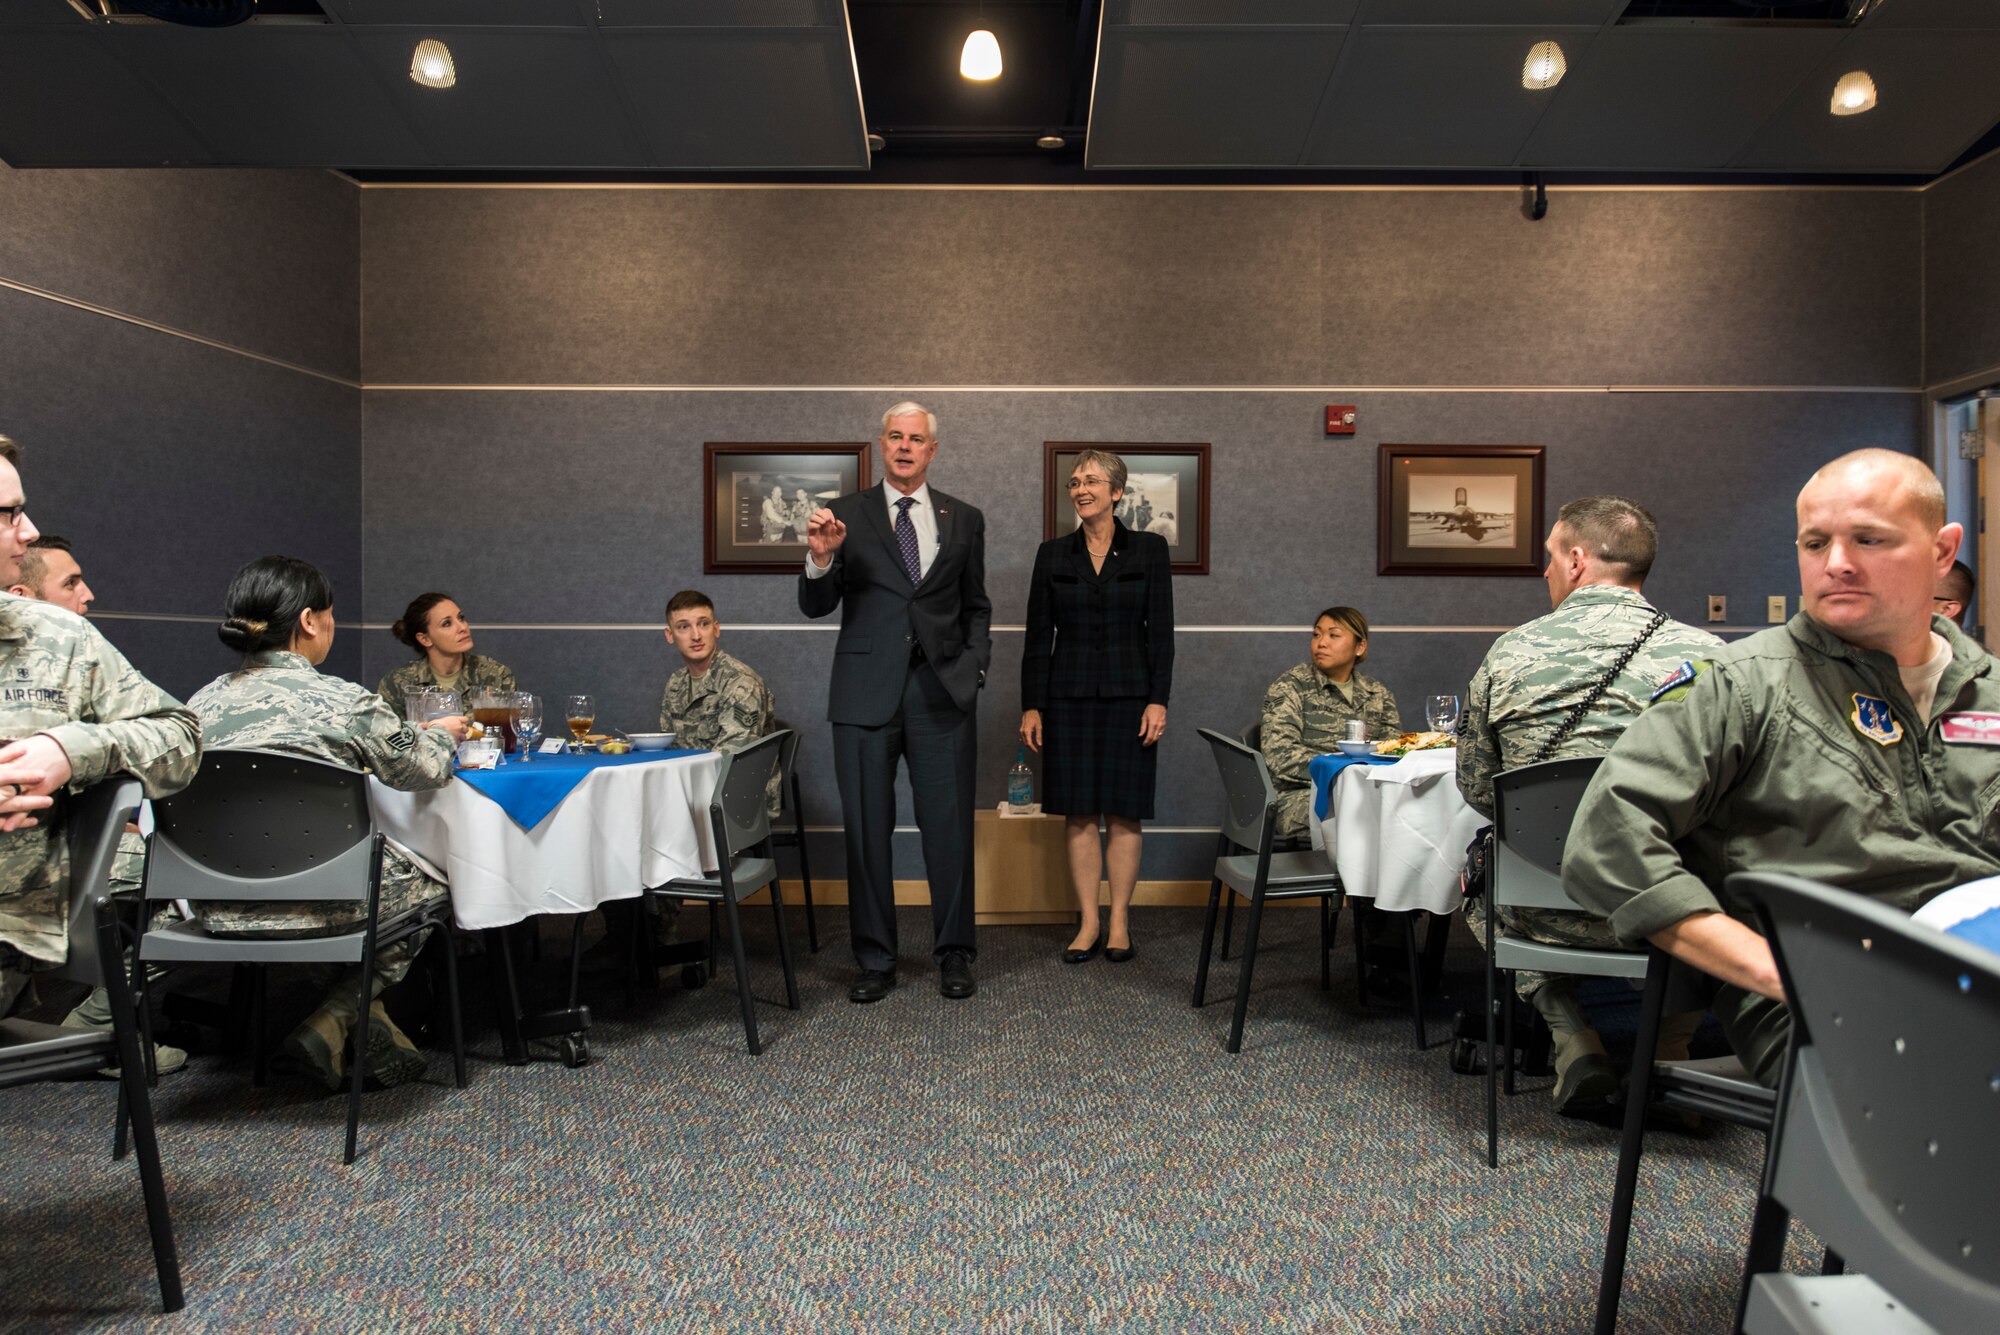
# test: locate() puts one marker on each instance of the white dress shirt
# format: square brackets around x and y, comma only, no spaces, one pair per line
[923,518]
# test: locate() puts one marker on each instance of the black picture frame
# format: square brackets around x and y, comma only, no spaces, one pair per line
[1460,509]
[1176,475]
[737,537]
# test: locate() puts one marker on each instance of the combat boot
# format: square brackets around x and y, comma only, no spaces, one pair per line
[392,1058]
[1585,1077]
[318,1048]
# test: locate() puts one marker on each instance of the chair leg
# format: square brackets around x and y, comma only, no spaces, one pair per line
[1363,914]
[260,1049]
[152,1181]
[1416,976]
[1833,1263]
[1228,924]
[1492,1070]
[451,1000]
[1325,943]
[1207,943]
[1249,959]
[1631,1144]
[784,947]
[742,975]
[357,1049]
[1507,1043]
[576,959]
[806,884]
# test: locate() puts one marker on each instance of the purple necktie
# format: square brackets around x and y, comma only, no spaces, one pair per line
[906,541]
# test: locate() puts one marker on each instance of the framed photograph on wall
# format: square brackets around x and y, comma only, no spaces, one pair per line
[1166,492]
[1460,510]
[760,496]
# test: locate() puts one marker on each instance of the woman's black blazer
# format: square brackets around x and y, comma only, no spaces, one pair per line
[1099,633]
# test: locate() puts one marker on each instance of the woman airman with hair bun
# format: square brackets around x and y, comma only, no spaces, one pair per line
[436,630]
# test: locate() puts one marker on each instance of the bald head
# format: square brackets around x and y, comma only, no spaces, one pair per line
[1892,477]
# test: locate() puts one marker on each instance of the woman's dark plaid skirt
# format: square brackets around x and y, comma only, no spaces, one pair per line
[1092,762]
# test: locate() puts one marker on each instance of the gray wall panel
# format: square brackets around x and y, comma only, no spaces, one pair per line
[263,260]
[1124,287]
[170,464]
[184,656]
[1962,274]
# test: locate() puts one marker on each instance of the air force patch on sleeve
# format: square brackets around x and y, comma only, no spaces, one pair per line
[1683,677]
[1872,719]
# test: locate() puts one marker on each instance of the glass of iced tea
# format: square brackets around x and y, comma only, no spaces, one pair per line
[493,711]
[579,712]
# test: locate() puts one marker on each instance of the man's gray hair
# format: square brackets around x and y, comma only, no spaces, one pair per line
[1615,531]
[904,409]
[1113,466]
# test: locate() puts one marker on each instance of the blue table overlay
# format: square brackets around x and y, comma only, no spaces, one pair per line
[529,790]
[1982,929]
[1325,769]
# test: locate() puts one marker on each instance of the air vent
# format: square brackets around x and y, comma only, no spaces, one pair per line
[1763,13]
[202,13]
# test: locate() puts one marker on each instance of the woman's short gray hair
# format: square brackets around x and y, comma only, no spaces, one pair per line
[1113,466]
[904,409]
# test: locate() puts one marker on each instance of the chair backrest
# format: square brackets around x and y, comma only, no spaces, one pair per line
[1884,1145]
[1250,799]
[263,825]
[95,822]
[1533,807]
[788,779]
[741,818]
[1253,736]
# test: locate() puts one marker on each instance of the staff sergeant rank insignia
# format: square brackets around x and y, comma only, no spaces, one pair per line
[1872,719]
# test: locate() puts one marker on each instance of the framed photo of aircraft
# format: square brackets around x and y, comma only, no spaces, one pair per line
[1459,510]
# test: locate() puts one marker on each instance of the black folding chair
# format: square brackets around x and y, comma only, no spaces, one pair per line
[1253,737]
[742,828]
[1249,817]
[1884,1137]
[788,828]
[264,826]
[30,1051]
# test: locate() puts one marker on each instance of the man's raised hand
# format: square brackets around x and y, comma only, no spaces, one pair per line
[824,534]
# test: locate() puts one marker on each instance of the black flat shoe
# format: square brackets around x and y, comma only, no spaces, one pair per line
[1087,954]
[871,985]
[955,977]
[1119,954]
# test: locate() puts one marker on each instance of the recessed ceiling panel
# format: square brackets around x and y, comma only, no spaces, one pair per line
[39,11]
[1488,13]
[273,96]
[458,13]
[717,13]
[522,100]
[66,102]
[1672,98]
[1935,94]
[758,97]
[1207,96]
[1243,13]
[1932,14]
[1432,96]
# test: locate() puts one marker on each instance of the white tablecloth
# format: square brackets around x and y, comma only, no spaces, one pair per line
[622,829]
[1397,833]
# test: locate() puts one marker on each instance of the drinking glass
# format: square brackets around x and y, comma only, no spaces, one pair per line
[1442,711]
[439,704]
[413,707]
[527,721]
[580,712]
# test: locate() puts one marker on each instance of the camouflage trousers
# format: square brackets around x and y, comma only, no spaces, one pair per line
[1295,812]
[1551,927]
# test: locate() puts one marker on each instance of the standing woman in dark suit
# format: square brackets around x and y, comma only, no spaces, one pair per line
[1095,675]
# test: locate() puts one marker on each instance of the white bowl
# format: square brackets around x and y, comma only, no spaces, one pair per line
[1356,748]
[651,741]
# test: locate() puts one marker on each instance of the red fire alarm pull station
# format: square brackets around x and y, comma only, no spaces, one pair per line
[1340,419]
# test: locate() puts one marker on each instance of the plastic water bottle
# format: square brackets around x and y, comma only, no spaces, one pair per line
[1020,784]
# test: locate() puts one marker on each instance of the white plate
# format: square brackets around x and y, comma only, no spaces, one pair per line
[651,741]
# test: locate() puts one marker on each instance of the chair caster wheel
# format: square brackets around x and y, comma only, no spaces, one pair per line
[694,977]
[575,1051]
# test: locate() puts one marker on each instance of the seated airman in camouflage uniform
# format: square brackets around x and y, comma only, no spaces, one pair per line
[1519,711]
[1307,708]
[713,701]
[76,712]
[1850,746]
[280,617]
[437,632]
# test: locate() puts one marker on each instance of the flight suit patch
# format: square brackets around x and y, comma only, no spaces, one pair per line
[1872,719]
[1971,729]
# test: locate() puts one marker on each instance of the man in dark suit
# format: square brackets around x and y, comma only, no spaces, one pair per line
[913,649]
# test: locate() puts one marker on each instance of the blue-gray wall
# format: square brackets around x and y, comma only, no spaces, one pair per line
[1962,276]
[178,357]
[1701,350]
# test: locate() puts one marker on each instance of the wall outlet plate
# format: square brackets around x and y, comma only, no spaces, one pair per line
[1718,607]
[1774,609]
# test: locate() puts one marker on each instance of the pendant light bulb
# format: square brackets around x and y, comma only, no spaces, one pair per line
[981,57]
[1854,94]
[1544,67]
[431,65]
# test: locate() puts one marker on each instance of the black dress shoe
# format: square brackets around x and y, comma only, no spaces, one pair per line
[1119,954]
[871,985]
[1088,953]
[955,976]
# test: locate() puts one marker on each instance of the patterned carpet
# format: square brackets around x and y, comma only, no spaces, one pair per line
[1072,1149]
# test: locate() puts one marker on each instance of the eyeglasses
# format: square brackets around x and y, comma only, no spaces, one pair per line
[10,515]
[1089,480]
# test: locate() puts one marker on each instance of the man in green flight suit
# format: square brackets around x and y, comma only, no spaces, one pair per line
[1846,746]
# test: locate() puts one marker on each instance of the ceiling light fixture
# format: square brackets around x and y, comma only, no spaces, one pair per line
[876,143]
[1051,142]
[431,65]
[1854,94]
[1544,67]
[981,57]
